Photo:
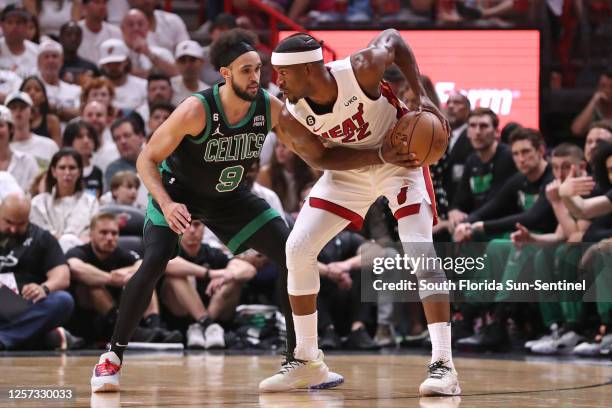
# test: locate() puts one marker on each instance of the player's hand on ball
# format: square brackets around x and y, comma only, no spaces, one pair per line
[394,155]
[428,106]
[177,216]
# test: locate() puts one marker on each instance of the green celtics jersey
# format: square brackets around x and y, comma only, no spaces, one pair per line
[216,160]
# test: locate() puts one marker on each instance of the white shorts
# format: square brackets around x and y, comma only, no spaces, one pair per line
[350,193]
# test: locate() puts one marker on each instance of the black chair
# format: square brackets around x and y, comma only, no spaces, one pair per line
[131,219]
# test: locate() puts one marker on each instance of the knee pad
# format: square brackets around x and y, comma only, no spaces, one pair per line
[303,272]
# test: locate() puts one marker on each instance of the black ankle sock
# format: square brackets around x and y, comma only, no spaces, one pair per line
[118,350]
[152,321]
[205,322]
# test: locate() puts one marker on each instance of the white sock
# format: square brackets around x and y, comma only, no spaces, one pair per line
[440,334]
[307,347]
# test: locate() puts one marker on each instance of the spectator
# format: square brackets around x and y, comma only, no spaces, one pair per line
[22,166]
[116,10]
[160,111]
[130,91]
[522,198]
[286,175]
[124,187]
[52,14]
[486,168]
[447,172]
[42,148]
[8,185]
[166,29]
[159,89]
[95,30]
[102,90]
[83,138]
[64,209]
[40,275]
[17,54]
[598,108]
[189,61]
[601,130]
[204,283]
[64,98]
[75,70]
[96,114]
[100,270]
[144,56]
[42,121]
[33,29]
[129,139]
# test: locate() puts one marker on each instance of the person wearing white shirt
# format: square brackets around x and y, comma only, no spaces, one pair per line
[189,61]
[116,10]
[159,90]
[16,53]
[42,148]
[130,91]
[22,166]
[166,29]
[65,98]
[9,82]
[145,57]
[95,29]
[52,14]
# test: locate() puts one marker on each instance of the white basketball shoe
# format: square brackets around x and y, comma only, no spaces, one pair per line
[105,377]
[441,380]
[295,373]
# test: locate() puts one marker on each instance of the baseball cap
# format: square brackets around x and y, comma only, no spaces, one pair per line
[112,50]
[18,96]
[14,9]
[50,46]
[190,48]
[5,114]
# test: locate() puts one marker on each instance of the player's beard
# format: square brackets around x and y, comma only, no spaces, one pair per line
[243,94]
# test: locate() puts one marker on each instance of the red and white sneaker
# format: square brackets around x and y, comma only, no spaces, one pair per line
[105,377]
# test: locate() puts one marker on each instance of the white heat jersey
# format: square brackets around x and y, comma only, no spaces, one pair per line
[356,121]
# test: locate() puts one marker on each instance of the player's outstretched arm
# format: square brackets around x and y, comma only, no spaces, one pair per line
[310,148]
[189,118]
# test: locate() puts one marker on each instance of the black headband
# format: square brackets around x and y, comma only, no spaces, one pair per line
[236,51]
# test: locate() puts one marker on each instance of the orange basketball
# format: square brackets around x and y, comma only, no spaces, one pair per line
[425,136]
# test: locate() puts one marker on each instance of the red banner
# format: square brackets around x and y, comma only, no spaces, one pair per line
[499,69]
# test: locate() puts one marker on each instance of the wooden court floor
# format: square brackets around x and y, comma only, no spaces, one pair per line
[206,380]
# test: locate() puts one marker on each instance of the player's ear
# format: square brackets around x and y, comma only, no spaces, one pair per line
[225,73]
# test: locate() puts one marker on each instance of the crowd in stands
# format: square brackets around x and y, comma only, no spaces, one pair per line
[84,84]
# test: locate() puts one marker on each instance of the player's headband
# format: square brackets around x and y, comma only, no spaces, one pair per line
[243,47]
[294,58]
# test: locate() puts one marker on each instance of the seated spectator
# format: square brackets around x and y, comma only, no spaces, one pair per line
[64,209]
[83,138]
[159,89]
[145,57]
[129,139]
[24,140]
[42,121]
[33,29]
[96,114]
[63,97]
[39,274]
[51,15]
[486,169]
[286,175]
[8,185]
[95,29]
[160,111]
[22,166]
[598,131]
[100,89]
[100,269]
[75,70]
[116,10]
[166,29]
[598,108]
[189,61]
[124,187]
[130,90]
[204,284]
[522,197]
[17,54]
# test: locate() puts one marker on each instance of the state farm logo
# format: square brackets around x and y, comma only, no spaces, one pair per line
[498,100]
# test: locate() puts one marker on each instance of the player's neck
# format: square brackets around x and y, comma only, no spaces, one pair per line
[487,154]
[235,108]
[326,91]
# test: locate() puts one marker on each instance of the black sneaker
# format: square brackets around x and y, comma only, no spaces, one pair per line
[492,337]
[360,340]
[144,335]
[167,336]
[330,339]
[61,339]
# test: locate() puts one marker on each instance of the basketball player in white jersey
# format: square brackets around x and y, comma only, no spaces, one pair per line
[336,117]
